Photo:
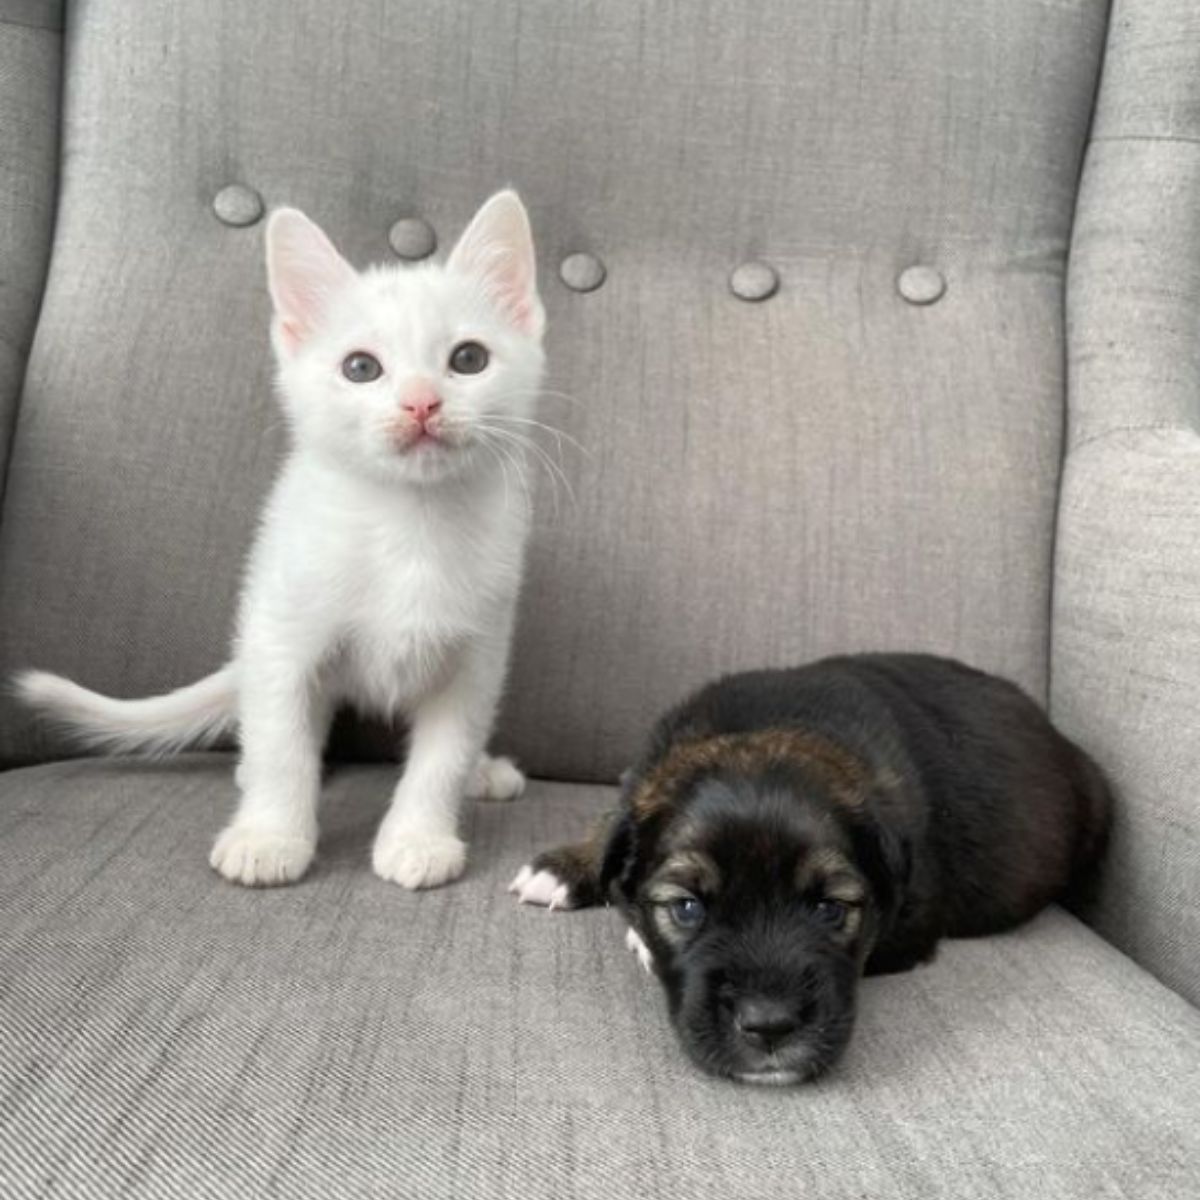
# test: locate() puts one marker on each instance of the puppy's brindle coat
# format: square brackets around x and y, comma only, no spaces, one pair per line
[788,831]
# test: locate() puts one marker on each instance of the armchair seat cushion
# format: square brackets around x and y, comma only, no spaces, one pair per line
[163,1033]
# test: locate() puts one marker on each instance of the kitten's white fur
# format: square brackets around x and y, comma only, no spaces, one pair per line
[385,571]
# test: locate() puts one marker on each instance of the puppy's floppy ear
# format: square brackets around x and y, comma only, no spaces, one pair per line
[620,856]
[885,857]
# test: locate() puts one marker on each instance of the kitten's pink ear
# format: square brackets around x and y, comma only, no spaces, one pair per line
[497,248]
[303,272]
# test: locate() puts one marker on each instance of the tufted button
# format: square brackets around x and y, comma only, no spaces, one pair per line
[921,285]
[754,281]
[412,238]
[238,205]
[582,272]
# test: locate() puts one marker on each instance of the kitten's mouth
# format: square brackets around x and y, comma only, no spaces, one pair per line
[420,439]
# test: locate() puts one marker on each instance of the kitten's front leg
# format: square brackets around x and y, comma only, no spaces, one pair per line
[283,721]
[418,844]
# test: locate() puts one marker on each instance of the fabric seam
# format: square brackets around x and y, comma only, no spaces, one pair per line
[52,23]
[1068,388]
[1187,139]
[1139,427]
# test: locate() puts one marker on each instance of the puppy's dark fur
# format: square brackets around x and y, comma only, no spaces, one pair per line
[788,831]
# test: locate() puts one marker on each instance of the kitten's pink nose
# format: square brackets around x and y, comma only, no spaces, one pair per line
[420,401]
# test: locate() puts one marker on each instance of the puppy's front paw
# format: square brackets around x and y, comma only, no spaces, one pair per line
[260,857]
[543,887]
[418,860]
[496,779]
[565,877]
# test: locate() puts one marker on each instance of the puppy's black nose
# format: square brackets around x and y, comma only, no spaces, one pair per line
[764,1023]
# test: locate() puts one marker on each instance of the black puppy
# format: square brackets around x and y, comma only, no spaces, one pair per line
[789,830]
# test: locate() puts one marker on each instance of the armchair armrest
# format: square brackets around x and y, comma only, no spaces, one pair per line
[30,69]
[1125,654]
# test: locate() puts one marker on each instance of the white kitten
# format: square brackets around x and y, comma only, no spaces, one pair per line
[388,561]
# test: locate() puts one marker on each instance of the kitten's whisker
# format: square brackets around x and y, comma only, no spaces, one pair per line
[526,486]
[518,442]
[502,420]
[551,394]
[554,470]
[541,393]
[559,435]
[611,418]
[505,458]
[501,463]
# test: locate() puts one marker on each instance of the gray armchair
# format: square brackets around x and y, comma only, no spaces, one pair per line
[887,335]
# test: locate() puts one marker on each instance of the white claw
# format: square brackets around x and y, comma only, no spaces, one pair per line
[543,888]
[634,942]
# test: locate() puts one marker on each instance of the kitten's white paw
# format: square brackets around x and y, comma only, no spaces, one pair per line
[419,860]
[496,779]
[634,942]
[260,857]
[541,887]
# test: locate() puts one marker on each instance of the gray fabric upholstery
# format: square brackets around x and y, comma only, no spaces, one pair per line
[836,466]
[30,61]
[35,14]
[166,1034]
[1126,661]
[1127,680]
[1135,256]
[869,455]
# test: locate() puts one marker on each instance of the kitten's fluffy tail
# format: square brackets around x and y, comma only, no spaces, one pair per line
[196,715]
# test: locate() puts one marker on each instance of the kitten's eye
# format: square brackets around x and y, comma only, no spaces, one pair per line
[361,367]
[831,913]
[687,912]
[468,358]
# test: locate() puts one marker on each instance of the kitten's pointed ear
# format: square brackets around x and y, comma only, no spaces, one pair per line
[497,248]
[304,271]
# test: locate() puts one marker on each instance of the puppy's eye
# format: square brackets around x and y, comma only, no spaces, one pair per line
[831,913]
[468,358]
[361,367]
[687,912]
